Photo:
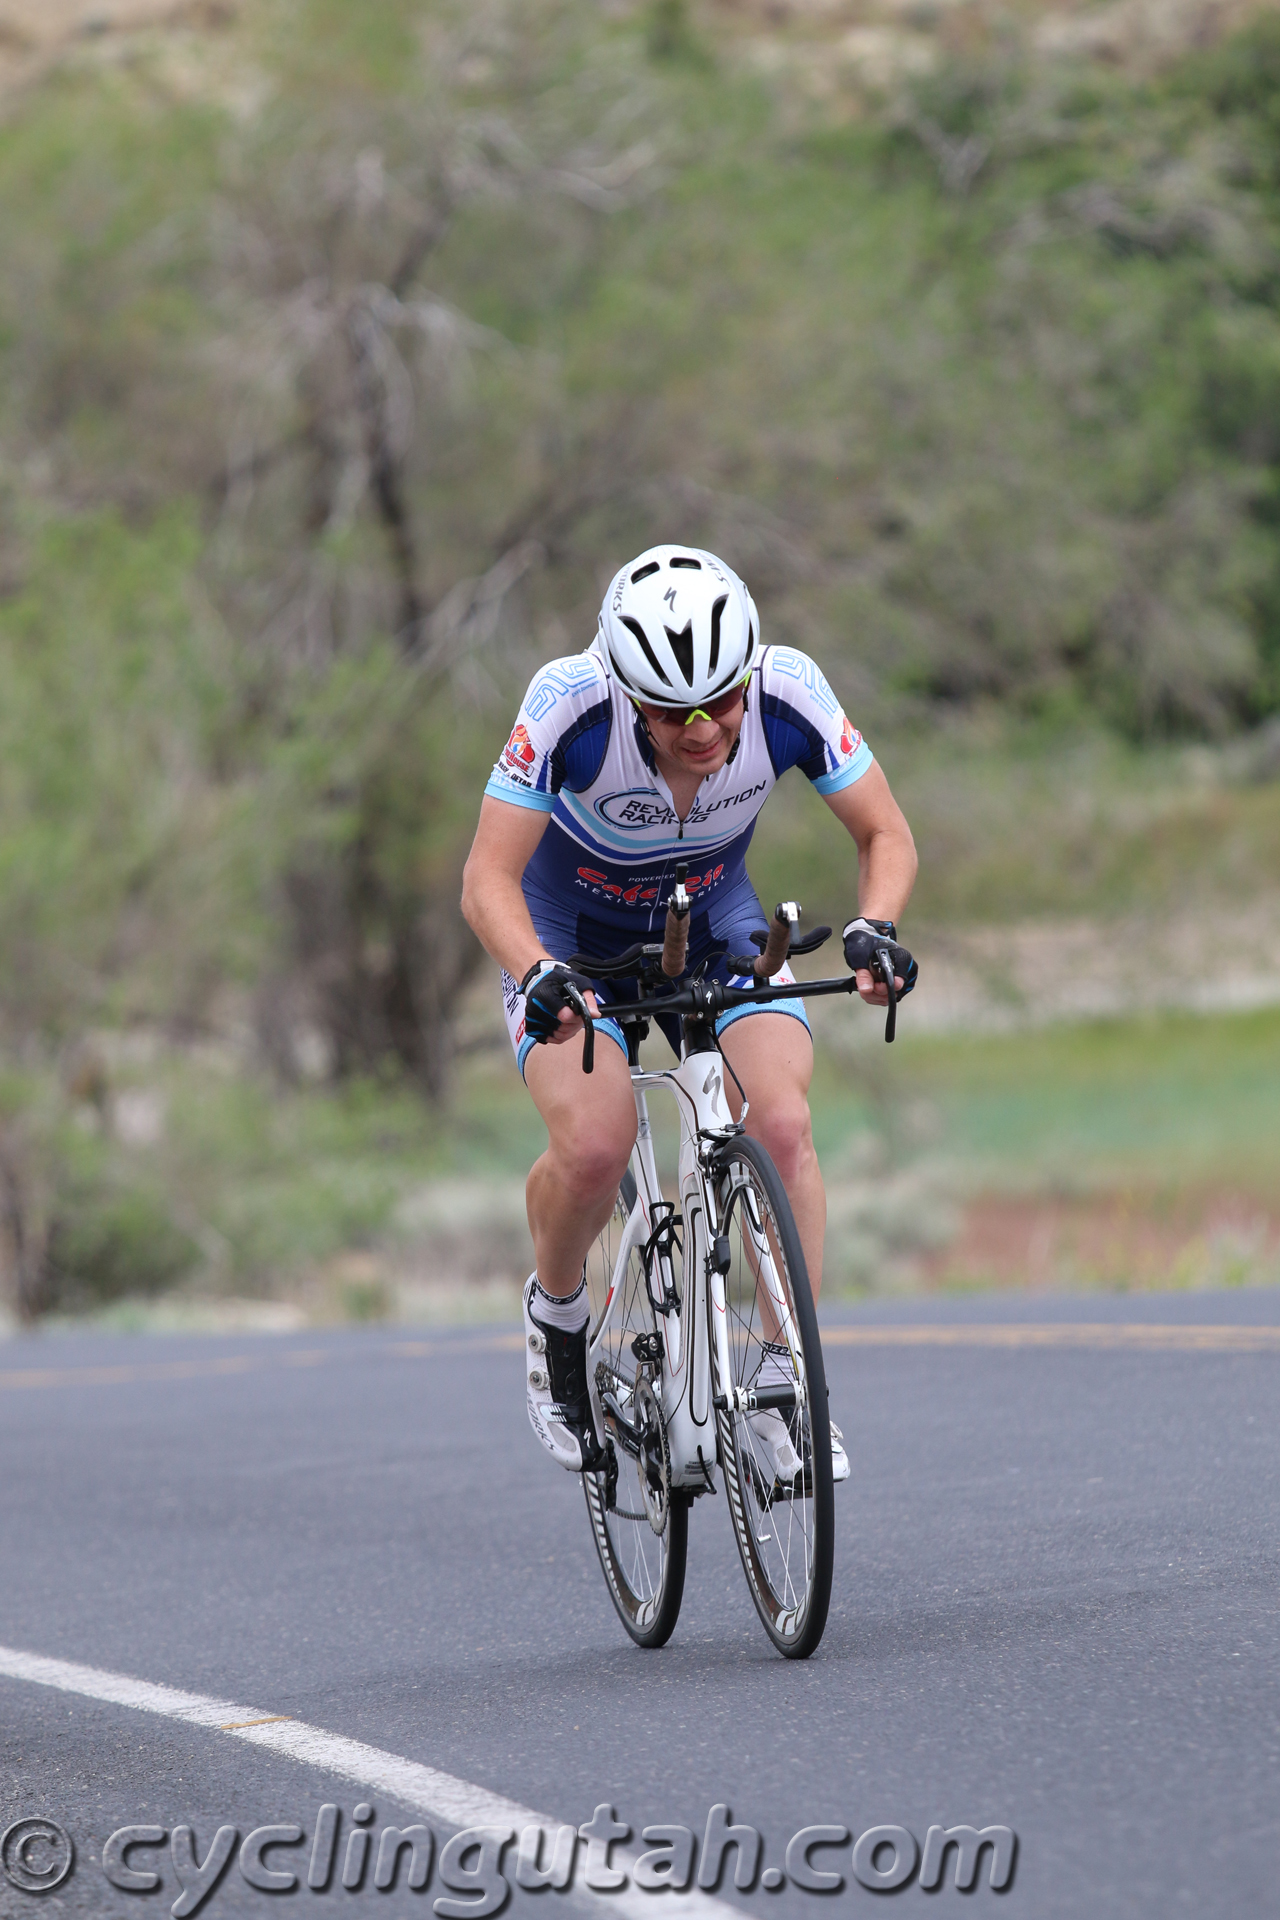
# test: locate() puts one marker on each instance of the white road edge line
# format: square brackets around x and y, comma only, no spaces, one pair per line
[453,1802]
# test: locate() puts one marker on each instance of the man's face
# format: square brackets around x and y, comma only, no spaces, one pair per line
[702,742]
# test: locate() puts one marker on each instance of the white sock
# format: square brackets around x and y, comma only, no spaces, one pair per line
[776,1370]
[568,1312]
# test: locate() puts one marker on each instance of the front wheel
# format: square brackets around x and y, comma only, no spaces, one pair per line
[639,1523]
[776,1462]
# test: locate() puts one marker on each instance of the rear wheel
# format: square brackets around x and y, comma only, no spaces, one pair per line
[640,1526]
[781,1497]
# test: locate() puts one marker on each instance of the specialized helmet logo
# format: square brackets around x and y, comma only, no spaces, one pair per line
[709,646]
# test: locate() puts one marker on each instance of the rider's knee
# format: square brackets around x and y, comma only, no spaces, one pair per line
[592,1159]
[785,1130]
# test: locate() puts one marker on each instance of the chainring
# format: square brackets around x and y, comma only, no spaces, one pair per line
[653,1467]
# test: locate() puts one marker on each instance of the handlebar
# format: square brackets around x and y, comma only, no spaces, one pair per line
[778,944]
[711,996]
[675,942]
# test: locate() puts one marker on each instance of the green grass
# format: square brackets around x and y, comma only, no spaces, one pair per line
[1164,1102]
[251,1191]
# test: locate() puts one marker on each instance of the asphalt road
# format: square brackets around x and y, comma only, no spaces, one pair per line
[1055,1606]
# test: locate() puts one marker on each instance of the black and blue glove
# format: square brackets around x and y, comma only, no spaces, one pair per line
[863,939]
[547,988]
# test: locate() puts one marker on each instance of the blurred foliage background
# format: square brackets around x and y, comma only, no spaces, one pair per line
[346,349]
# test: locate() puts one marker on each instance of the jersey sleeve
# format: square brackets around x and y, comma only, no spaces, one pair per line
[560,735]
[804,724]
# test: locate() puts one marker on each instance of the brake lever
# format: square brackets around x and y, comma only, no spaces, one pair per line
[884,966]
[589,1033]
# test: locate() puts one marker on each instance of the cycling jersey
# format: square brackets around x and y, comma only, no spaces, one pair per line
[579,751]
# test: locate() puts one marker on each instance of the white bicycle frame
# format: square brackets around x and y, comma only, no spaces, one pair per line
[686,1384]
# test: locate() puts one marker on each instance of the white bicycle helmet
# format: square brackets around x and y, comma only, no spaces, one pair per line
[678,627]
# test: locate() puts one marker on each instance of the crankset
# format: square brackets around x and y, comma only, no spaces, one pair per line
[653,1462]
[635,1424]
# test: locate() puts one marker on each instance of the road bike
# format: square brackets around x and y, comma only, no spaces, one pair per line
[703,1333]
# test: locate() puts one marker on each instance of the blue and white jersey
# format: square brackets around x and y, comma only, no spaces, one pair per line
[579,752]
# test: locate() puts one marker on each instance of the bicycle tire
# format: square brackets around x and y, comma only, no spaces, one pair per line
[644,1570]
[785,1532]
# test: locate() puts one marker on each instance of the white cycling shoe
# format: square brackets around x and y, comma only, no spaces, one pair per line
[777,1449]
[777,1443]
[774,1447]
[555,1365]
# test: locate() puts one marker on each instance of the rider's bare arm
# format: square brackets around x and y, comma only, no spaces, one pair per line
[493,902]
[886,857]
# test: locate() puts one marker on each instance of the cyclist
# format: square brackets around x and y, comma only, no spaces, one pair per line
[659,745]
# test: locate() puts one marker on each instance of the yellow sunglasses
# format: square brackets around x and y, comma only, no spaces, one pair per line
[684,716]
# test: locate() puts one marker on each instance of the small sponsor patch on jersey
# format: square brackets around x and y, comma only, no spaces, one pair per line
[850,738]
[518,754]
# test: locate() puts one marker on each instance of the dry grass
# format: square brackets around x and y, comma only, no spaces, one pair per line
[837,50]
[832,50]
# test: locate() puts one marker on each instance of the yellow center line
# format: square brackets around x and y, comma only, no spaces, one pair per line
[430,1349]
[267,1720]
[1138,1336]
[128,1375]
[14,1378]
[1098,1335]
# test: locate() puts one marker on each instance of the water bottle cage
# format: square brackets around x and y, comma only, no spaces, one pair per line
[662,1243]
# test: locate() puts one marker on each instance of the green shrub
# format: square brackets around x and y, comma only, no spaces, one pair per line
[108,1239]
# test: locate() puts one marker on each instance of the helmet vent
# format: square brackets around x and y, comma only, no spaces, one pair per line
[642,573]
[683,560]
[716,612]
[633,626]
[682,647]
[731,679]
